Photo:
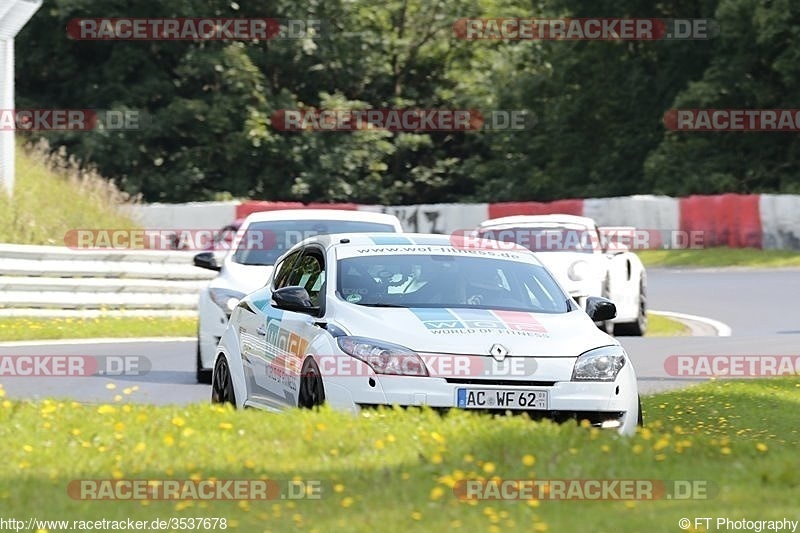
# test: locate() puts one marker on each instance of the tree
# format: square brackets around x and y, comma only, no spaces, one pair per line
[754,66]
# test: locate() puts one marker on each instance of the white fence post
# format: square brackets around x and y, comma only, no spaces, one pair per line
[14,14]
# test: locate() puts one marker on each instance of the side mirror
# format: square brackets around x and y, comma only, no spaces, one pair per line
[293,299]
[600,309]
[206,260]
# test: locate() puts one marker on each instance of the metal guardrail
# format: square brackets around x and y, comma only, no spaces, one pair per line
[58,281]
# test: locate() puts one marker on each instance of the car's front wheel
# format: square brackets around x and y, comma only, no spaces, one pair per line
[203,375]
[640,421]
[222,384]
[312,391]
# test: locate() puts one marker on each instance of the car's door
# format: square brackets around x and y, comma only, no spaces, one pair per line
[254,339]
[287,334]
[298,330]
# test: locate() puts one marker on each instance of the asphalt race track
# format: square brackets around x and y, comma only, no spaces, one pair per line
[760,306]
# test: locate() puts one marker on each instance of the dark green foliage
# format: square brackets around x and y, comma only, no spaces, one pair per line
[206,129]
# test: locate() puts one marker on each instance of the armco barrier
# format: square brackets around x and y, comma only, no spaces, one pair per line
[768,221]
[253,206]
[780,221]
[52,280]
[644,212]
[566,207]
[726,220]
[192,215]
[434,218]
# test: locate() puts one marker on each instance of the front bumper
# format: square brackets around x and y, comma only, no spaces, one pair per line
[603,404]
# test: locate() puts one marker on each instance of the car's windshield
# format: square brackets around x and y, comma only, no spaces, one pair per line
[264,242]
[449,281]
[547,238]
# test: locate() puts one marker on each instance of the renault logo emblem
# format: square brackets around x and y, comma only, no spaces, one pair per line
[498,351]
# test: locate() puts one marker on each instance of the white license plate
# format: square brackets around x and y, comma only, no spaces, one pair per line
[501,399]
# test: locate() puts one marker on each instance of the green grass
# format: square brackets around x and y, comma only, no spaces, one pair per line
[393,470]
[661,326]
[720,257]
[52,196]
[26,328]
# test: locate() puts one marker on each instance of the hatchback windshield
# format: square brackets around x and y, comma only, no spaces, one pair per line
[548,238]
[449,281]
[264,242]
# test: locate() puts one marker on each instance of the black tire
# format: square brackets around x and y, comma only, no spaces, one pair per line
[222,385]
[312,390]
[638,328]
[203,375]
[640,421]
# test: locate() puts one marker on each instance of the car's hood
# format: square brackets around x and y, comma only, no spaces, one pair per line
[242,278]
[474,331]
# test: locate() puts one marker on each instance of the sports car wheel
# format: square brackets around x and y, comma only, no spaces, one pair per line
[312,391]
[638,328]
[222,385]
[203,374]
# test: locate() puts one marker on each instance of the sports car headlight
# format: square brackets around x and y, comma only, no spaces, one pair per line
[578,271]
[383,357]
[226,299]
[600,364]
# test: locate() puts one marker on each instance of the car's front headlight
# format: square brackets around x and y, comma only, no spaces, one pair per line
[600,364]
[383,357]
[226,299]
[579,271]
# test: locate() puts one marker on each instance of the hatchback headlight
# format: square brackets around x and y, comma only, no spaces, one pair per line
[600,364]
[383,357]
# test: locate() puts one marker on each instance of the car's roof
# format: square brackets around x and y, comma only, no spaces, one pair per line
[528,220]
[396,241]
[321,214]
[380,239]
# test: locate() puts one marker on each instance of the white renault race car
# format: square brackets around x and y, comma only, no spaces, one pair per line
[585,260]
[261,239]
[363,320]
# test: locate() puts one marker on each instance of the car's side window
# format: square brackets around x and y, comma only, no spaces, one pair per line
[284,269]
[309,272]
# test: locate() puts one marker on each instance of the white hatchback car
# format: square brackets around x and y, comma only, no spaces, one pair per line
[363,320]
[584,260]
[261,239]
